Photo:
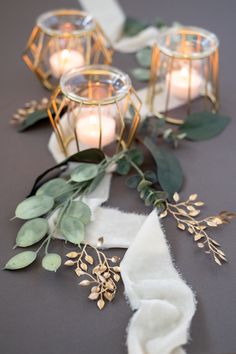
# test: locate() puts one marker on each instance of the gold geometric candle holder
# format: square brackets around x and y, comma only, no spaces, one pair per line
[63,39]
[94,106]
[184,70]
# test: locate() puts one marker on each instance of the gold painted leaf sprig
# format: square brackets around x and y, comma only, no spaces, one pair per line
[97,271]
[185,213]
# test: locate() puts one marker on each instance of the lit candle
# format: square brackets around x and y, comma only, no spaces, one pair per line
[179,85]
[88,130]
[64,60]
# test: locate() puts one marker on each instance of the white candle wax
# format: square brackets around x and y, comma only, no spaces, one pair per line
[64,60]
[88,130]
[179,85]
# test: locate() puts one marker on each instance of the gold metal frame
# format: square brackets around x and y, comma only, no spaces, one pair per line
[211,72]
[60,102]
[98,49]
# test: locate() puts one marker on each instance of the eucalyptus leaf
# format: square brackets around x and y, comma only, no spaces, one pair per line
[204,125]
[31,232]
[51,262]
[33,207]
[84,172]
[143,57]
[55,188]
[150,176]
[33,118]
[169,171]
[72,229]
[21,260]
[80,211]
[133,26]
[136,155]
[93,185]
[123,167]
[141,74]
[133,181]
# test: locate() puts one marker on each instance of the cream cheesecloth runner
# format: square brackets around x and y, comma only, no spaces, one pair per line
[163,302]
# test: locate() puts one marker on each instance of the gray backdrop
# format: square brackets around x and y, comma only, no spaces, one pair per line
[48,313]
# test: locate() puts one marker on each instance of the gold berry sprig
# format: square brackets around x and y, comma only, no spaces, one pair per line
[29,107]
[185,213]
[98,271]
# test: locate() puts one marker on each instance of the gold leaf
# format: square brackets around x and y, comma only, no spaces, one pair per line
[78,272]
[69,263]
[198,237]
[192,222]
[106,275]
[84,283]
[200,244]
[193,197]
[190,230]
[110,285]
[89,259]
[109,296]
[181,226]
[101,304]
[191,208]
[72,254]
[116,269]
[202,227]
[217,260]
[93,296]
[100,242]
[194,213]
[176,197]
[182,211]
[84,266]
[215,243]
[211,223]
[102,268]
[217,220]
[96,269]
[163,214]
[101,278]
[95,289]
[223,257]
[116,277]
[115,259]
[199,203]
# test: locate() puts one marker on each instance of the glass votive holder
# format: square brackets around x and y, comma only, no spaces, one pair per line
[184,70]
[64,39]
[98,108]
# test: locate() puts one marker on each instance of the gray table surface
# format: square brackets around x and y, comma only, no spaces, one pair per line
[48,313]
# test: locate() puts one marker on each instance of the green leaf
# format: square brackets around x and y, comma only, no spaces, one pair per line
[159,23]
[123,167]
[136,155]
[95,182]
[80,211]
[151,176]
[89,156]
[143,57]
[84,172]
[31,232]
[141,74]
[133,26]
[169,171]
[33,118]
[51,262]
[21,260]
[55,188]
[34,206]
[133,181]
[73,229]
[203,125]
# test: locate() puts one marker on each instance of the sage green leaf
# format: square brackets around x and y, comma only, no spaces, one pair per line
[33,118]
[72,229]
[51,262]
[150,176]
[159,23]
[80,211]
[136,155]
[133,181]
[169,171]
[93,185]
[143,57]
[133,26]
[33,207]
[85,172]
[57,188]
[21,260]
[141,74]
[123,167]
[31,232]
[204,125]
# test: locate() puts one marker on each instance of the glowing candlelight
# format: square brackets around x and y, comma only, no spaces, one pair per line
[64,60]
[181,81]
[88,130]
